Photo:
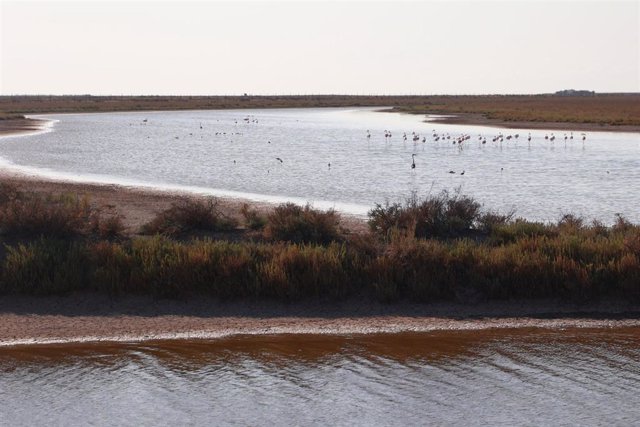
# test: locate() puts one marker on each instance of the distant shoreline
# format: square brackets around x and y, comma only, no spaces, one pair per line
[467,119]
[599,112]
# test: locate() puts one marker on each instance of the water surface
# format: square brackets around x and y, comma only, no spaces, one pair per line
[327,159]
[491,377]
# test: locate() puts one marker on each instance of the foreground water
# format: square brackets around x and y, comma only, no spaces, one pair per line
[324,156]
[491,377]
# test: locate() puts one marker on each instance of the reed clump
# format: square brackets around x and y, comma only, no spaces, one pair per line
[446,215]
[190,215]
[292,223]
[108,227]
[45,266]
[253,219]
[32,214]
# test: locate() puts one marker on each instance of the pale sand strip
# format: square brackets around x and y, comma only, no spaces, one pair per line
[97,318]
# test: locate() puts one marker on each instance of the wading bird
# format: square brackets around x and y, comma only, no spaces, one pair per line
[413,161]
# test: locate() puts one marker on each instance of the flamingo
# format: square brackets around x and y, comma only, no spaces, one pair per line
[413,161]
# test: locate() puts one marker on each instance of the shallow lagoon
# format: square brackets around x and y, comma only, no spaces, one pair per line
[234,153]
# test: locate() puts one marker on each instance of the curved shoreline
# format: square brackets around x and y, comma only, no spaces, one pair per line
[140,202]
[261,201]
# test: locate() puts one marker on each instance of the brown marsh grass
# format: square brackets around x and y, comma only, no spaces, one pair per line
[461,256]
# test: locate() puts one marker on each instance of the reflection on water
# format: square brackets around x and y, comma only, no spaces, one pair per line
[493,377]
[221,153]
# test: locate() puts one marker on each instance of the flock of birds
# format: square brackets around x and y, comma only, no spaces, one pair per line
[460,140]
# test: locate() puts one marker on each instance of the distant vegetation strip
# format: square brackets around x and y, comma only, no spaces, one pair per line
[440,248]
[597,109]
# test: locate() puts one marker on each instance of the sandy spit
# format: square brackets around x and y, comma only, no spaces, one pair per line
[98,318]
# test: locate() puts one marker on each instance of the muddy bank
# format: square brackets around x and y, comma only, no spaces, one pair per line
[137,206]
[91,317]
[481,120]
[20,126]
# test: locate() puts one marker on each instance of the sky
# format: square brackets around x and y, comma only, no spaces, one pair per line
[305,47]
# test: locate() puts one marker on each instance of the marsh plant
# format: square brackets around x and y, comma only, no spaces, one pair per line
[441,248]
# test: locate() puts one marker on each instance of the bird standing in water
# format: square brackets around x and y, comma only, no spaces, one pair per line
[413,161]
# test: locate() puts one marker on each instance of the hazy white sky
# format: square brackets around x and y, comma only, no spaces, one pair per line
[209,47]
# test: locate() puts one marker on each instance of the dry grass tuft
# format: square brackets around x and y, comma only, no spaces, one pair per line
[188,216]
[296,224]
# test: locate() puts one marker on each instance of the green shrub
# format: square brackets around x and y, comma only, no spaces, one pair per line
[44,267]
[511,231]
[293,272]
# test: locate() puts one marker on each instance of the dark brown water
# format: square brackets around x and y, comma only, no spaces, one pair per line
[493,377]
